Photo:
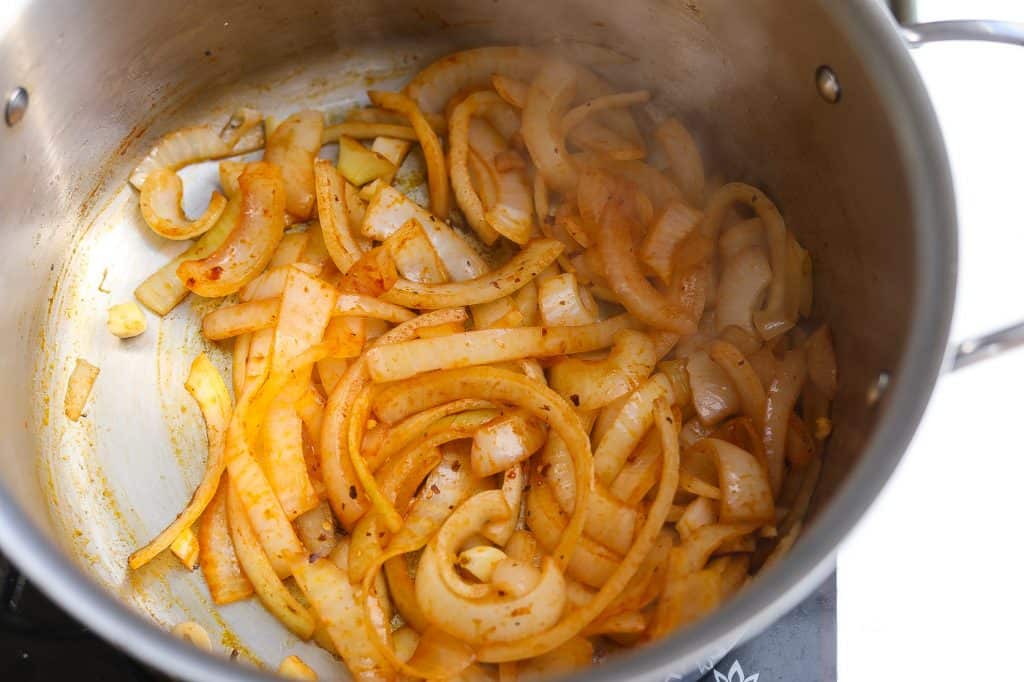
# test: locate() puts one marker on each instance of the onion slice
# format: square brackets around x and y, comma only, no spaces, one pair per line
[488,346]
[334,220]
[160,204]
[178,149]
[684,157]
[248,248]
[206,386]
[615,246]
[458,156]
[217,557]
[509,278]
[292,147]
[549,96]
[437,175]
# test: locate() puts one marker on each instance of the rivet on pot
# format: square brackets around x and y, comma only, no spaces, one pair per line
[17,103]
[876,391]
[828,84]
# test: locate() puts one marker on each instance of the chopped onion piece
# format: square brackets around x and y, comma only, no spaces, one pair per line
[414,255]
[240,318]
[390,210]
[507,440]
[563,302]
[294,668]
[714,395]
[83,376]
[293,146]
[360,165]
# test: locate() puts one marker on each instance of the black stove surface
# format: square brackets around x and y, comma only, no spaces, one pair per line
[40,643]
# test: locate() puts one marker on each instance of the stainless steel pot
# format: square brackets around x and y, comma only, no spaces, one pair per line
[815,100]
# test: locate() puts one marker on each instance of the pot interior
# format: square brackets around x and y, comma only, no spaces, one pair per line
[107,79]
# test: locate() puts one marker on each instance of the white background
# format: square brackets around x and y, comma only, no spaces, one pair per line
[931,585]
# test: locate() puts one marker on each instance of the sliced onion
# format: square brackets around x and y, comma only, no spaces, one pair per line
[741,236]
[714,395]
[771,320]
[563,302]
[573,623]
[675,223]
[338,235]
[490,346]
[604,142]
[248,248]
[332,596]
[504,386]
[458,127]
[241,318]
[743,377]
[292,147]
[439,656]
[266,583]
[640,472]
[632,422]
[162,290]
[619,100]
[592,384]
[744,279]
[684,157]
[615,246]
[507,279]
[217,558]
[178,149]
[782,395]
[390,210]
[505,441]
[746,492]
[160,203]
[80,383]
[437,175]
[240,123]
[549,97]
[821,362]
[365,130]
[701,512]
[688,597]
[414,255]
[206,386]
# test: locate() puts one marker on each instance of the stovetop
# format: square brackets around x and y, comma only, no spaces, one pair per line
[40,643]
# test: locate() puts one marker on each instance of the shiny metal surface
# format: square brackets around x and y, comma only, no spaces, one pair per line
[863,182]
[992,344]
[986,31]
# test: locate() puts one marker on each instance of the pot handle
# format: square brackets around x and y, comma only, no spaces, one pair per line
[985,346]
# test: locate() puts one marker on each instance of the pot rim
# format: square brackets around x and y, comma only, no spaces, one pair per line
[920,145]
